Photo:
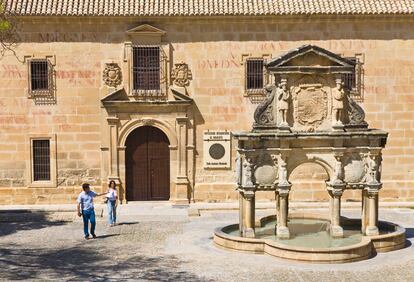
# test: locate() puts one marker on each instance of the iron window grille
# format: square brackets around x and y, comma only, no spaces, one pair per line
[149,73]
[40,77]
[353,82]
[41,160]
[255,79]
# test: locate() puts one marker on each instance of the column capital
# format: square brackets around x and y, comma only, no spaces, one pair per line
[112,120]
[182,120]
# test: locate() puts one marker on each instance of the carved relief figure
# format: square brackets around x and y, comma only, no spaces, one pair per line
[283,101]
[247,175]
[264,111]
[338,95]
[338,170]
[282,171]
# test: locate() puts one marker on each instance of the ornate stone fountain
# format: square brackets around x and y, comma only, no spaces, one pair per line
[309,116]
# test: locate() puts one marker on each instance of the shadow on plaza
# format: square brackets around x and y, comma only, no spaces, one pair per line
[22,220]
[409,233]
[81,262]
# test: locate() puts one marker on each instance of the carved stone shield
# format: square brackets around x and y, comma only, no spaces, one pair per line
[311,105]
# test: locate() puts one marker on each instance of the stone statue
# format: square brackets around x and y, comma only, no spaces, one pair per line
[282,171]
[338,170]
[247,172]
[338,101]
[238,170]
[283,101]
[264,112]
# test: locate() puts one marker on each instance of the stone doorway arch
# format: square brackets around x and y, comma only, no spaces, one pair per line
[147,163]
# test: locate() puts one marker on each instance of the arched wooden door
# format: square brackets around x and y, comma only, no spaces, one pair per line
[147,159]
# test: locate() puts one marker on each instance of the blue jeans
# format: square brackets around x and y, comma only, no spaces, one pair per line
[88,215]
[111,211]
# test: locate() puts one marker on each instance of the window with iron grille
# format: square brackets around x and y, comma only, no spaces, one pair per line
[39,75]
[146,68]
[41,160]
[353,81]
[254,74]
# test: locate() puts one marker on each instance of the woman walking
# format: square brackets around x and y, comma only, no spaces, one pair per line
[112,197]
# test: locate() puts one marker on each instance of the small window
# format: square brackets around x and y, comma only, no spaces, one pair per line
[41,160]
[39,75]
[353,81]
[146,68]
[40,78]
[254,74]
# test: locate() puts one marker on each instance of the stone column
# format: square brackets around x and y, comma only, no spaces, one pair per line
[283,189]
[372,212]
[180,195]
[249,212]
[335,190]
[372,188]
[336,229]
[282,228]
[113,149]
[122,174]
[241,212]
[364,213]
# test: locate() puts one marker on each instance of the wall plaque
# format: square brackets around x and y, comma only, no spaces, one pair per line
[217,148]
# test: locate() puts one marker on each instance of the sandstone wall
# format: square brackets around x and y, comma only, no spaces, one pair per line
[213,49]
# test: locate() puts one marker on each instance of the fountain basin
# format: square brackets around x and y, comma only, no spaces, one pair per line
[309,241]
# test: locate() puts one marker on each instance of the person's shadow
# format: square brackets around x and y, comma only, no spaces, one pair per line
[127,223]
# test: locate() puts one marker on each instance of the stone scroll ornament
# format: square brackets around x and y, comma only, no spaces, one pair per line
[112,75]
[181,75]
[263,114]
[356,113]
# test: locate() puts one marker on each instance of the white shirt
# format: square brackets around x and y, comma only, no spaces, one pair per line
[112,194]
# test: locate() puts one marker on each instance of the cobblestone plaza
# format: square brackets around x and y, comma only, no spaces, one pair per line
[158,242]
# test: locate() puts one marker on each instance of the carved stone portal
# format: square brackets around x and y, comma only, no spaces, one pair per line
[309,117]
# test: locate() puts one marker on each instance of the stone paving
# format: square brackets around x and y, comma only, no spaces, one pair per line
[161,243]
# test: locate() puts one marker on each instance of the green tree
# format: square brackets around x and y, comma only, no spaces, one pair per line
[7,30]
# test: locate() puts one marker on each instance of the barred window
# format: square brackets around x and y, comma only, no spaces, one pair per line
[39,75]
[353,81]
[146,68]
[41,160]
[254,74]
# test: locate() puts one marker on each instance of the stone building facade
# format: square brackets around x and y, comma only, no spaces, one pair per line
[96,124]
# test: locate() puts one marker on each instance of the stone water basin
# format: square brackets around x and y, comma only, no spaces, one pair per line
[310,240]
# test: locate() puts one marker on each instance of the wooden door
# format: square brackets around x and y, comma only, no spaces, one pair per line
[147,165]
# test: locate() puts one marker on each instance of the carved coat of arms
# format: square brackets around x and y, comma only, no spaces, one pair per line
[181,75]
[311,105]
[112,75]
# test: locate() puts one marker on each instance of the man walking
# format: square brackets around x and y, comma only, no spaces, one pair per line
[86,210]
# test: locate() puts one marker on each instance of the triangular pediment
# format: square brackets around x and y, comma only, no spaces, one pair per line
[117,95]
[146,29]
[310,56]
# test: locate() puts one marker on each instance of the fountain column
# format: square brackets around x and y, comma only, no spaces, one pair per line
[335,190]
[371,194]
[283,189]
[336,229]
[248,200]
[372,211]
[249,212]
